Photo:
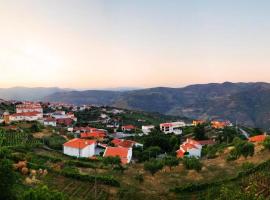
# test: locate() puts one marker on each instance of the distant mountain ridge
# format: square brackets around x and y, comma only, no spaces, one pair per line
[247,103]
[26,93]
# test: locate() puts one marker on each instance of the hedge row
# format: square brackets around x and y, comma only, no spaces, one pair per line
[107,180]
[192,187]
[80,164]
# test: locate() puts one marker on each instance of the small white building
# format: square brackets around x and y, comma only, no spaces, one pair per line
[172,127]
[29,116]
[80,148]
[147,129]
[28,107]
[190,148]
[49,122]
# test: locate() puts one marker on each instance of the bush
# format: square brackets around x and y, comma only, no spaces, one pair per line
[247,166]
[266,143]
[153,166]
[107,180]
[171,161]
[42,193]
[192,163]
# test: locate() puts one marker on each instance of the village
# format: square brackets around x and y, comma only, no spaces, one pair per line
[51,140]
[88,141]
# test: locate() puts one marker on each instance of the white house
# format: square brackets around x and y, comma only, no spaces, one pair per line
[26,116]
[49,121]
[125,154]
[80,148]
[27,107]
[172,127]
[147,129]
[190,148]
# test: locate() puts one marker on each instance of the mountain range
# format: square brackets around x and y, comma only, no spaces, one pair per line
[30,94]
[246,103]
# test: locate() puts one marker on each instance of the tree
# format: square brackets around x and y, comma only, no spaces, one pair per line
[153,166]
[7,180]
[171,161]
[42,193]
[248,149]
[199,132]
[266,143]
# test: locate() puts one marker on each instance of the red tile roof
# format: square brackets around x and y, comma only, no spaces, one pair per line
[188,146]
[123,143]
[96,134]
[26,114]
[166,124]
[206,142]
[180,153]
[79,143]
[257,138]
[117,151]
[128,127]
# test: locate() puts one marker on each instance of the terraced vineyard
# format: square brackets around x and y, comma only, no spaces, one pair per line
[17,138]
[75,189]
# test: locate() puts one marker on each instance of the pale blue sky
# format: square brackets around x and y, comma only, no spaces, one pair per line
[139,43]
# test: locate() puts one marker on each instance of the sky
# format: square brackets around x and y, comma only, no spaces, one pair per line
[133,43]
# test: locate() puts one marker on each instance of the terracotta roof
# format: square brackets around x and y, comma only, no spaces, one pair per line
[117,151]
[116,141]
[257,138]
[180,153]
[96,134]
[26,114]
[50,119]
[206,142]
[188,146]
[123,143]
[166,124]
[128,127]
[79,143]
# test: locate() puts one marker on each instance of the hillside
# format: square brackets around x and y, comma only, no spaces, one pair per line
[247,103]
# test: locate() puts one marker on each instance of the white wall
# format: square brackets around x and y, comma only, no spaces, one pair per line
[88,151]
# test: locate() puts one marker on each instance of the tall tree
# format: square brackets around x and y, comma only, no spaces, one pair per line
[7,180]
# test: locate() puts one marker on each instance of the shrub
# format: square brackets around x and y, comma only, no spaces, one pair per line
[171,161]
[153,166]
[266,143]
[192,163]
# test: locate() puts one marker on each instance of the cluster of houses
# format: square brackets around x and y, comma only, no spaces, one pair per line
[30,111]
[89,145]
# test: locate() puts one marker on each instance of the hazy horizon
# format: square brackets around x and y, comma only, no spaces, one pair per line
[135,44]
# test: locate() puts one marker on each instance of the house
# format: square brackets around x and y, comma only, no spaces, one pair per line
[28,107]
[98,134]
[257,138]
[198,122]
[128,128]
[86,129]
[192,148]
[220,124]
[125,143]
[49,122]
[172,127]
[125,154]
[80,148]
[25,116]
[64,121]
[147,129]
[63,116]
